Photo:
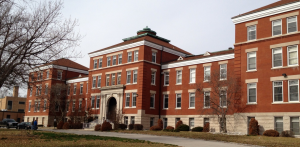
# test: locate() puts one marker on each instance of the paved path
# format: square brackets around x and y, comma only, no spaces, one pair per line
[186,142]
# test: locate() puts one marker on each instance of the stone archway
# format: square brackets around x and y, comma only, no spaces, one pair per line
[111,109]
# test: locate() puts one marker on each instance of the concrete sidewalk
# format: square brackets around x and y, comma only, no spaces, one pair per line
[185,142]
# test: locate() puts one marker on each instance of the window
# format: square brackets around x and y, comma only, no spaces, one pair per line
[98,101]
[22,103]
[73,106]
[251,92]
[36,90]
[45,105]
[59,75]
[178,100]
[108,61]
[251,32]
[41,75]
[191,120]
[68,90]
[100,63]
[99,81]
[206,120]
[46,89]
[192,100]
[179,77]
[292,55]
[207,73]
[295,125]
[79,106]
[9,105]
[276,27]
[68,105]
[95,64]
[153,73]
[129,56]
[81,88]
[120,58]
[166,79]
[38,76]
[29,106]
[154,57]
[291,24]
[133,100]
[206,99]
[30,93]
[293,90]
[152,100]
[35,106]
[47,74]
[136,55]
[277,57]
[107,80]
[223,71]
[251,61]
[93,102]
[126,120]
[127,99]
[192,75]
[20,110]
[277,91]
[165,123]
[223,100]
[74,91]
[166,101]
[128,80]
[176,120]
[151,121]
[114,60]
[132,120]
[278,124]
[40,90]
[119,78]
[87,87]
[113,79]
[134,76]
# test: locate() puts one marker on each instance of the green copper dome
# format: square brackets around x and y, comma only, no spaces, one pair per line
[146,30]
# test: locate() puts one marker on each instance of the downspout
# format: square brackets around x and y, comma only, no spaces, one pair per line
[159,99]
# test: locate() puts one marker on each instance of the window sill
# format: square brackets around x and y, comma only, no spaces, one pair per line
[153,85]
[166,85]
[206,81]
[165,108]
[134,83]
[179,84]
[94,88]
[251,40]
[129,107]
[192,108]
[177,108]
[152,108]
[223,79]
[286,103]
[291,66]
[251,70]
[193,83]
[128,84]
[97,108]
[206,107]
[251,104]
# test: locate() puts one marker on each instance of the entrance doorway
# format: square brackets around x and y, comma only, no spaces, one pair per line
[111,112]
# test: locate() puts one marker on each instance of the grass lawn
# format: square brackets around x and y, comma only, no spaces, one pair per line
[15,138]
[253,140]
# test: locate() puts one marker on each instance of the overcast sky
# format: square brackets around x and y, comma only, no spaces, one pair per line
[193,25]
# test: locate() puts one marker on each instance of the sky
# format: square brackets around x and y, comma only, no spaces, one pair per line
[196,26]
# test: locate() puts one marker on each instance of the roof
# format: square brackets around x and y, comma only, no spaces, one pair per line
[67,63]
[273,5]
[222,52]
[77,77]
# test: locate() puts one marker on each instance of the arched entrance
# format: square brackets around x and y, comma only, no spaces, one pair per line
[111,110]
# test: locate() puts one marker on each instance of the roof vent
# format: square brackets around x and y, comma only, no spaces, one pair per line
[230,48]
[206,53]
[180,58]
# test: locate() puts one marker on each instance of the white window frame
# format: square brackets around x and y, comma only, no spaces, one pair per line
[74,89]
[273,57]
[204,99]
[287,24]
[135,76]
[114,60]
[248,32]
[129,54]
[100,63]
[136,55]
[99,82]
[107,77]
[153,55]
[165,101]
[108,61]
[179,73]
[225,78]
[274,26]
[79,105]
[98,102]
[248,88]
[221,99]
[153,76]
[113,79]
[191,101]
[274,91]
[177,101]
[191,122]
[289,89]
[73,106]
[249,62]
[46,89]
[288,57]
[120,59]
[81,89]
[59,75]
[95,64]
[152,96]
[118,81]
[165,75]
[45,105]
[94,82]
[193,78]
[128,77]
[133,102]
[127,100]
[207,68]
[47,74]
[29,106]
[93,102]
[30,93]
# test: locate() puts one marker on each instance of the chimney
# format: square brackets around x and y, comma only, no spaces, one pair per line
[16,91]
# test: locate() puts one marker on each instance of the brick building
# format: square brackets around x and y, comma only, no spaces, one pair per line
[146,78]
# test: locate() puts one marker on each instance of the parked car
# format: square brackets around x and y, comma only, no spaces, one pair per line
[24,125]
[9,123]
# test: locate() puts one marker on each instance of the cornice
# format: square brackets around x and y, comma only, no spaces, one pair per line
[59,67]
[265,13]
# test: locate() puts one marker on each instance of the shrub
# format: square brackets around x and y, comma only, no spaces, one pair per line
[98,127]
[122,126]
[138,127]
[272,133]
[206,127]
[77,126]
[178,124]
[183,127]
[197,129]
[66,125]
[155,128]
[253,127]
[60,125]
[130,126]
[70,124]
[106,126]
[169,128]
[160,123]
[287,133]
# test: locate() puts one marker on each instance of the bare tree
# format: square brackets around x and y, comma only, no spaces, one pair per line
[220,96]
[32,34]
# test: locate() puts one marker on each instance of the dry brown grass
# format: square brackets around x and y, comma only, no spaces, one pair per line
[253,140]
[16,138]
